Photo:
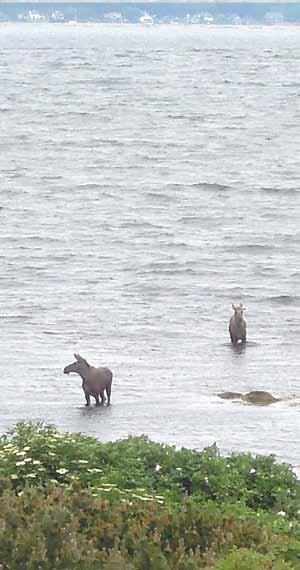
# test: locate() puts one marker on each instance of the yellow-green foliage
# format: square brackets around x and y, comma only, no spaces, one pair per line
[70,502]
[251,560]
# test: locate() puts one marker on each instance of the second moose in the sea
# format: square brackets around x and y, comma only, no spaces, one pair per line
[237,325]
[95,381]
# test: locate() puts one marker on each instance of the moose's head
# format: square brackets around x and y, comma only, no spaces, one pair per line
[79,366]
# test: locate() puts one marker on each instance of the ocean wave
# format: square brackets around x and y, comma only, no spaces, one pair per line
[214,186]
[169,268]
[284,300]
[176,116]
[18,317]
[252,248]
[160,197]
[50,177]
[141,224]
[276,190]
[88,186]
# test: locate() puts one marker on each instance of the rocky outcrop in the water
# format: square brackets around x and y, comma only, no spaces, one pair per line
[256,397]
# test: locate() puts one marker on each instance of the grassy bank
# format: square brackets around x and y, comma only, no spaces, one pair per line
[70,502]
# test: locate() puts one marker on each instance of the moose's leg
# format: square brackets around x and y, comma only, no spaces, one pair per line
[88,399]
[98,403]
[108,392]
[243,339]
[232,338]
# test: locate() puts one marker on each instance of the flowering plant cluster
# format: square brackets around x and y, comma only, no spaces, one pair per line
[69,501]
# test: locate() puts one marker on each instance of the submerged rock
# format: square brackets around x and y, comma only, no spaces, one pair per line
[230,395]
[256,397]
[260,397]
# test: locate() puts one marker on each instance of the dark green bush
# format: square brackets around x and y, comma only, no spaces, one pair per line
[53,528]
[70,502]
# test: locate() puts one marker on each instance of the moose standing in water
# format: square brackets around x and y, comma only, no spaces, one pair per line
[237,325]
[95,381]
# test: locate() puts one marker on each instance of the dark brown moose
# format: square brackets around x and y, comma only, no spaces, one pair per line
[95,381]
[237,325]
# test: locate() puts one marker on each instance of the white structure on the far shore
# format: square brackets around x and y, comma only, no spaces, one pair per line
[146,19]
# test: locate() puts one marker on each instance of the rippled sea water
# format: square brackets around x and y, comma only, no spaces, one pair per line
[149,177]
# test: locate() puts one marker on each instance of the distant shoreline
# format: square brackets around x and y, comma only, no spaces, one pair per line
[148,13]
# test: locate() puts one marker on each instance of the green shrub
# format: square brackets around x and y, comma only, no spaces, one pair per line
[37,454]
[70,502]
[250,560]
[53,528]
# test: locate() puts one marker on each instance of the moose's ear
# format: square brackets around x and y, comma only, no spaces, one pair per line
[79,358]
[233,306]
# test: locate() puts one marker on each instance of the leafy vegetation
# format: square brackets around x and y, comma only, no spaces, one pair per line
[69,502]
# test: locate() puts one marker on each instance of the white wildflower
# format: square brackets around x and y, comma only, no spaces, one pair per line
[62,471]
[36,462]
[252,471]
[82,461]
[27,448]
[19,463]
[14,476]
[141,498]
[27,459]
[30,475]
[157,467]
[21,453]
[281,513]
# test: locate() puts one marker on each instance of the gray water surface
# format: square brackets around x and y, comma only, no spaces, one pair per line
[149,177]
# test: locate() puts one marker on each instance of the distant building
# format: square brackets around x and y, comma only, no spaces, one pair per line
[113,17]
[57,16]
[146,19]
[273,18]
[32,16]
